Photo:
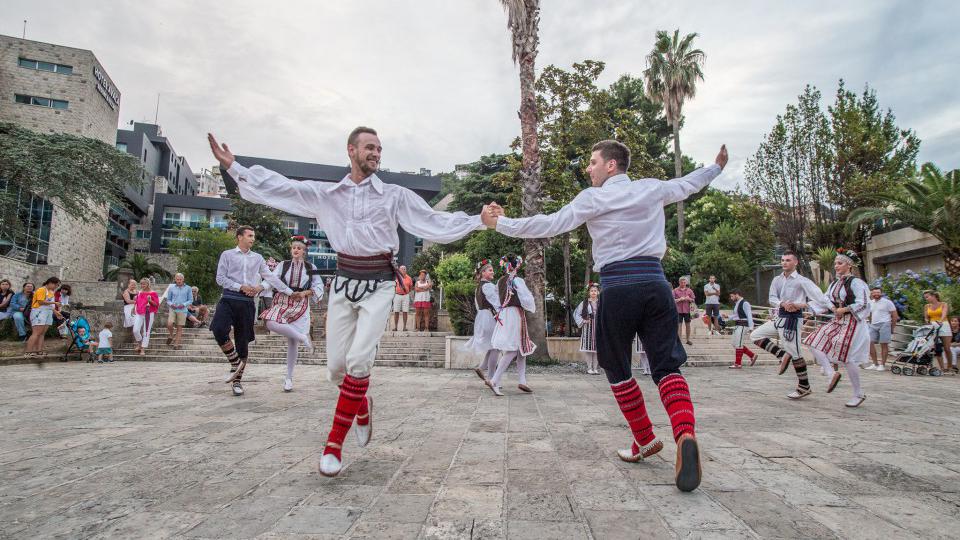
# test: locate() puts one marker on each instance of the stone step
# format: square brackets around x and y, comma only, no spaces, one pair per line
[306,361]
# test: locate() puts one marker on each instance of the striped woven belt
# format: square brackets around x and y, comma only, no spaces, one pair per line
[632,271]
[379,267]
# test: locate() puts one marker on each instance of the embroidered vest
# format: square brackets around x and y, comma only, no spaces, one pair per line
[481,299]
[502,288]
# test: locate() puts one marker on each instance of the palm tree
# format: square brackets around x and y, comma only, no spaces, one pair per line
[929,203]
[140,266]
[523,20]
[673,69]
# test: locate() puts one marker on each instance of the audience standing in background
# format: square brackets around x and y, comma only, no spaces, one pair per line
[684,298]
[938,312]
[421,301]
[41,315]
[711,306]
[883,319]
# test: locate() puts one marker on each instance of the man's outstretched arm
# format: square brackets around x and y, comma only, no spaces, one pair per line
[571,216]
[679,189]
[263,186]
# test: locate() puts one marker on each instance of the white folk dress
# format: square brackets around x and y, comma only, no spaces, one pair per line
[588,325]
[510,331]
[847,337]
[285,310]
[484,322]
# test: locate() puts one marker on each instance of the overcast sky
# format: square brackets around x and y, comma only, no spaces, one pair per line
[289,80]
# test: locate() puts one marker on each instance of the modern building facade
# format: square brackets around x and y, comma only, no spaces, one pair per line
[55,89]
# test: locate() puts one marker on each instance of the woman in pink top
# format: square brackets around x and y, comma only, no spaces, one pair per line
[146,306]
[684,298]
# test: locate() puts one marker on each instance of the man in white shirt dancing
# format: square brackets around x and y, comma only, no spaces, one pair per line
[790,293]
[626,221]
[360,215]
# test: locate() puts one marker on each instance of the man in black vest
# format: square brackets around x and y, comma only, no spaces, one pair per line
[742,318]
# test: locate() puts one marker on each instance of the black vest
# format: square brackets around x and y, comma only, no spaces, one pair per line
[311,271]
[481,299]
[851,298]
[502,288]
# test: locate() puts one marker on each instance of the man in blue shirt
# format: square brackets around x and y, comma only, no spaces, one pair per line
[19,309]
[179,298]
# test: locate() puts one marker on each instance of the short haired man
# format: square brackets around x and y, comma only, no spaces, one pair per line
[626,222]
[790,294]
[883,319]
[360,215]
[403,284]
[684,298]
[240,271]
[742,318]
[711,306]
[179,298]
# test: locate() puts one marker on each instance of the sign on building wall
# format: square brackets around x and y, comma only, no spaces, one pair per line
[109,93]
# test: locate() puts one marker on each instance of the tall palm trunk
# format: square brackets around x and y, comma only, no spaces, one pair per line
[678,172]
[567,285]
[535,274]
[951,262]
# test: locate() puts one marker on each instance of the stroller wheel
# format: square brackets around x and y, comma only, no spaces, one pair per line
[908,371]
[896,370]
[922,370]
[935,372]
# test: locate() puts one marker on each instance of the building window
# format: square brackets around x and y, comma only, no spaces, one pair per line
[122,146]
[290,225]
[40,65]
[144,234]
[41,101]
[36,214]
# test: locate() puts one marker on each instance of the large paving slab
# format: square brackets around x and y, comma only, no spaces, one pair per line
[162,450]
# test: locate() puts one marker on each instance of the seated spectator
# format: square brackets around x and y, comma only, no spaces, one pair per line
[83,341]
[198,310]
[62,295]
[6,295]
[19,309]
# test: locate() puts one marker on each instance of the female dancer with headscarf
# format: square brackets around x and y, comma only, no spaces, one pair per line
[487,302]
[585,316]
[510,333]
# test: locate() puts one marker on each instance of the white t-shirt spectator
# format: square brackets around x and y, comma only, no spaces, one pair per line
[106,339]
[712,288]
[880,310]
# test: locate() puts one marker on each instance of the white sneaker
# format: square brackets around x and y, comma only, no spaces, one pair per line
[237,389]
[870,367]
[287,384]
[881,367]
[330,465]
[365,432]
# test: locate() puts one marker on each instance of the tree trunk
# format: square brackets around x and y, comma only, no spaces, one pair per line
[567,285]
[534,273]
[587,242]
[678,172]
[951,262]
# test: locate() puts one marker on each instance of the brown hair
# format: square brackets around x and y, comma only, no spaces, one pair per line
[108,324]
[615,150]
[352,139]
[932,293]
[242,230]
[791,253]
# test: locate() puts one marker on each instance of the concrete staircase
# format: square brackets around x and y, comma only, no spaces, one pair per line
[396,349]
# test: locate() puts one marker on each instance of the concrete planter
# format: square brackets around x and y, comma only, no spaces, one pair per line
[562,349]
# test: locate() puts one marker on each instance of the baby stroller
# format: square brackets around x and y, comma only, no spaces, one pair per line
[78,345]
[917,358]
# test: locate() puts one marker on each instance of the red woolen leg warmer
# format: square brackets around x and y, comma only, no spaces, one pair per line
[739,358]
[352,395]
[363,413]
[630,399]
[675,395]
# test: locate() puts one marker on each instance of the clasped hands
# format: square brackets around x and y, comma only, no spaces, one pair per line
[490,213]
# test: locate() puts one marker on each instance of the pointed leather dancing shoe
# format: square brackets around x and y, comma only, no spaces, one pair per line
[637,453]
[688,463]
[833,381]
[330,465]
[855,401]
[784,364]
[525,388]
[365,432]
[480,374]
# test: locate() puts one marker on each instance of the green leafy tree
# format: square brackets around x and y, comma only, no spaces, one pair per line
[273,238]
[673,68]
[488,179]
[456,267]
[139,266]
[490,245]
[719,255]
[929,203]
[198,252]
[78,174]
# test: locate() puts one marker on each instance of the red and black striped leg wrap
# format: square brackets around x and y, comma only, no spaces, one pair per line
[675,395]
[630,399]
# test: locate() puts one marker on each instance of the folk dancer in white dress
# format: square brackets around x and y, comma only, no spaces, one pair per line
[790,294]
[742,317]
[846,339]
[487,302]
[644,359]
[585,316]
[289,315]
[361,215]
[510,335]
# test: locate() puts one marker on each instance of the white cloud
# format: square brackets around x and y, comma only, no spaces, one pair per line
[289,80]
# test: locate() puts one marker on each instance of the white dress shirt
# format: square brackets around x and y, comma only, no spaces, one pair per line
[359,219]
[237,268]
[625,218]
[798,289]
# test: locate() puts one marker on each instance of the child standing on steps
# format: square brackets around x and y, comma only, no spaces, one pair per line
[105,344]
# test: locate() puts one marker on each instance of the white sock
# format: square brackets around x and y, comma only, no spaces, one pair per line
[502,365]
[853,373]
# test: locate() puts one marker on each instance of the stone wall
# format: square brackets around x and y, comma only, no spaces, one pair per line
[76,245]
[893,244]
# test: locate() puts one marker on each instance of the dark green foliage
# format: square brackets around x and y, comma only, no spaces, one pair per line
[198,251]
[273,239]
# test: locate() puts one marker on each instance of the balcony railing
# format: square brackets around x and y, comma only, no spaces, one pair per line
[118,230]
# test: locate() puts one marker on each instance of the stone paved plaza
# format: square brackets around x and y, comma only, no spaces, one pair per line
[160,450]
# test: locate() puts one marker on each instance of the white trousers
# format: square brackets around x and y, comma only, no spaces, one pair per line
[142,324]
[354,330]
[769,330]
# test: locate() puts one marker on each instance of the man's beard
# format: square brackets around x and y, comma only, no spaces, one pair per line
[367,168]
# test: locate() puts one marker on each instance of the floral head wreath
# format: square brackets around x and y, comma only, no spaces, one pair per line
[482,264]
[300,238]
[849,255]
[592,285]
[505,263]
